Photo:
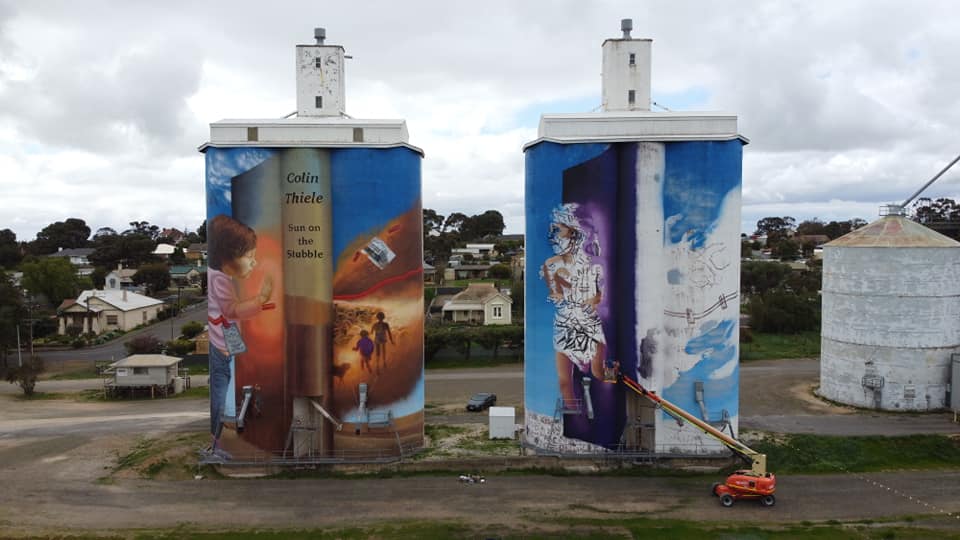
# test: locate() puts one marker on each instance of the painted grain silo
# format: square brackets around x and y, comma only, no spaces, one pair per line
[632,236]
[891,316]
[315,279]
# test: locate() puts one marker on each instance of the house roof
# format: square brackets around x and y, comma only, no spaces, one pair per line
[73,252]
[122,300]
[164,249]
[197,247]
[182,269]
[146,360]
[477,293]
[124,273]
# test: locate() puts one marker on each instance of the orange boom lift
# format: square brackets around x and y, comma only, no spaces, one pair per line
[752,483]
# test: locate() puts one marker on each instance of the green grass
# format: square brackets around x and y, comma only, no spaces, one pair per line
[86,372]
[806,454]
[777,346]
[458,362]
[194,392]
[604,526]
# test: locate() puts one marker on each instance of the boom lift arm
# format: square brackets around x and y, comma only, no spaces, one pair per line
[757,461]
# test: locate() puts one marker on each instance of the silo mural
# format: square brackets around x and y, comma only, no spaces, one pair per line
[633,254]
[315,301]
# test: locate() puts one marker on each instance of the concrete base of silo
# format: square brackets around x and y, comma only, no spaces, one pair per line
[885,378]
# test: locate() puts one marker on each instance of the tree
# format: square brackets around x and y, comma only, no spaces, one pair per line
[811,227]
[156,277]
[143,228]
[10,255]
[490,338]
[202,232]
[785,249]
[131,248]
[72,233]
[53,277]
[454,222]
[12,312]
[775,228]
[178,256]
[500,271]
[940,210]
[758,277]
[432,222]
[26,375]
[516,296]
[99,277]
[144,345]
[486,225]
[191,330]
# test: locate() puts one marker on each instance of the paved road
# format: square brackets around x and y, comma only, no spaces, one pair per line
[163,330]
[776,396]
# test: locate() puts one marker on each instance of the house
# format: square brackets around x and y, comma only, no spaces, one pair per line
[483,250]
[158,372]
[429,274]
[164,250]
[121,278]
[467,271]
[186,275]
[479,303]
[173,234]
[196,252]
[103,311]
[440,299]
[78,257]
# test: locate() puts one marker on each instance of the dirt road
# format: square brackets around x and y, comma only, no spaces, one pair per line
[56,454]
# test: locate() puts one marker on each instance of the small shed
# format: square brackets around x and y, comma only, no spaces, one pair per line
[502,422]
[156,372]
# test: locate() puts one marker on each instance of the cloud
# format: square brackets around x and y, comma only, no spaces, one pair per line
[102,104]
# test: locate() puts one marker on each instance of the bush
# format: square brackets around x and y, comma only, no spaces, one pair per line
[500,271]
[180,347]
[784,312]
[191,329]
[144,345]
[78,343]
[26,375]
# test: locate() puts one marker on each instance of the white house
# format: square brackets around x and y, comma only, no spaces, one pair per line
[121,278]
[479,303]
[103,311]
[164,250]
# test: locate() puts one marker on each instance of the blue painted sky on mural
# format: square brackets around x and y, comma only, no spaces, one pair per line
[848,105]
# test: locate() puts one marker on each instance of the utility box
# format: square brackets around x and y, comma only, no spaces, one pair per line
[502,422]
[954,381]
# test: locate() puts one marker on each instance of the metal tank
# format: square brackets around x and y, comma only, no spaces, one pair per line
[891,316]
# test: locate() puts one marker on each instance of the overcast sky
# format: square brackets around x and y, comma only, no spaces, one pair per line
[848,105]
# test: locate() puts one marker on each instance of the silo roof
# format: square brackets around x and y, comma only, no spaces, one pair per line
[894,231]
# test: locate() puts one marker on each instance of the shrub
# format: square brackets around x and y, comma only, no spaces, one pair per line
[180,347]
[192,329]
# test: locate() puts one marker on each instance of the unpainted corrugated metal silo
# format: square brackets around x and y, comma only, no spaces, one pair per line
[891,316]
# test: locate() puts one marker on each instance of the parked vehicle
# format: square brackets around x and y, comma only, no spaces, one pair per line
[481,401]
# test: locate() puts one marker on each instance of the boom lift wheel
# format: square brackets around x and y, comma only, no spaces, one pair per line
[727,500]
[768,500]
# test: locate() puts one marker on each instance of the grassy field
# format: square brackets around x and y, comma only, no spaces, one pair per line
[774,346]
[603,526]
[814,454]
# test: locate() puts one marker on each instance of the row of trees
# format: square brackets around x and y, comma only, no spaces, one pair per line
[780,299]
[463,338]
[443,233]
[133,246]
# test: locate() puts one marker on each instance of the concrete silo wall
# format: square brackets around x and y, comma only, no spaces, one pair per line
[891,320]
